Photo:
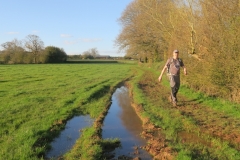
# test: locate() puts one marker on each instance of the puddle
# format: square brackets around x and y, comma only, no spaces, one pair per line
[122,122]
[68,136]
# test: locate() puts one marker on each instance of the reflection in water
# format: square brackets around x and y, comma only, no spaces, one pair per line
[122,122]
[128,115]
[68,137]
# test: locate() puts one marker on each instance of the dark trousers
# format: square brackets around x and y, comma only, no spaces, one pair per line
[175,84]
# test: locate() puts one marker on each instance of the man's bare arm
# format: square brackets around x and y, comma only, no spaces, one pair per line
[163,70]
[185,70]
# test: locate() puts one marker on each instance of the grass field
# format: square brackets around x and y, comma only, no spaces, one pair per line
[36,100]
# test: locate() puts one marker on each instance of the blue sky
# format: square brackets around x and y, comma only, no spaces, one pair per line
[74,25]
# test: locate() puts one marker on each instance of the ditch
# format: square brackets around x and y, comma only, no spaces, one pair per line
[123,123]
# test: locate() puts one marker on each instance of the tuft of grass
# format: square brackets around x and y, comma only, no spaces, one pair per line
[87,147]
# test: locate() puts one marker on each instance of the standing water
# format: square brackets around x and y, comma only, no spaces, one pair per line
[68,137]
[122,122]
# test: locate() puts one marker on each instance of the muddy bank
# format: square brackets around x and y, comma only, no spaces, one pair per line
[157,145]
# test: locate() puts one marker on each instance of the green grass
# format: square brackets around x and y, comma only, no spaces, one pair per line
[36,101]
[228,107]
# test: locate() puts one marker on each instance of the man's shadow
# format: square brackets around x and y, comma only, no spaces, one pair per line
[195,101]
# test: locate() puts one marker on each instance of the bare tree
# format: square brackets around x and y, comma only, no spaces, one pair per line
[34,45]
[13,51]
[13,46]
[91,53]
[94,52]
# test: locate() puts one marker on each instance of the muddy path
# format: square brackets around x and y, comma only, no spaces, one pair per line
[208,121]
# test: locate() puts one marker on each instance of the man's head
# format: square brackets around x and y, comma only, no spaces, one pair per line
[175,54]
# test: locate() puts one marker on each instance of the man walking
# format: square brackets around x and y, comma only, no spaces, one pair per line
[173,66]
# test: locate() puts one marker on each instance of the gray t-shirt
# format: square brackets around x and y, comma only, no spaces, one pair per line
[174,66]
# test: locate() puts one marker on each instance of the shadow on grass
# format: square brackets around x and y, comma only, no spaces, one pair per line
[195,101]
[99,93]
[2,81]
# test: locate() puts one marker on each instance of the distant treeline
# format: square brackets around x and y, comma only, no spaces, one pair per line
[92,54]
[206,32]
[92,61]
[30,50]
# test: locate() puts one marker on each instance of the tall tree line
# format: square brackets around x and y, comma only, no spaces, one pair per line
[206,32]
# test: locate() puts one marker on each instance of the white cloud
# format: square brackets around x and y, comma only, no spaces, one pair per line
[66,35]
[70,42]
[35,31]
[12,32]
[90,40]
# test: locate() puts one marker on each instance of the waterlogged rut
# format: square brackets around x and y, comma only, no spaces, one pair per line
[68,137]
[122,122]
